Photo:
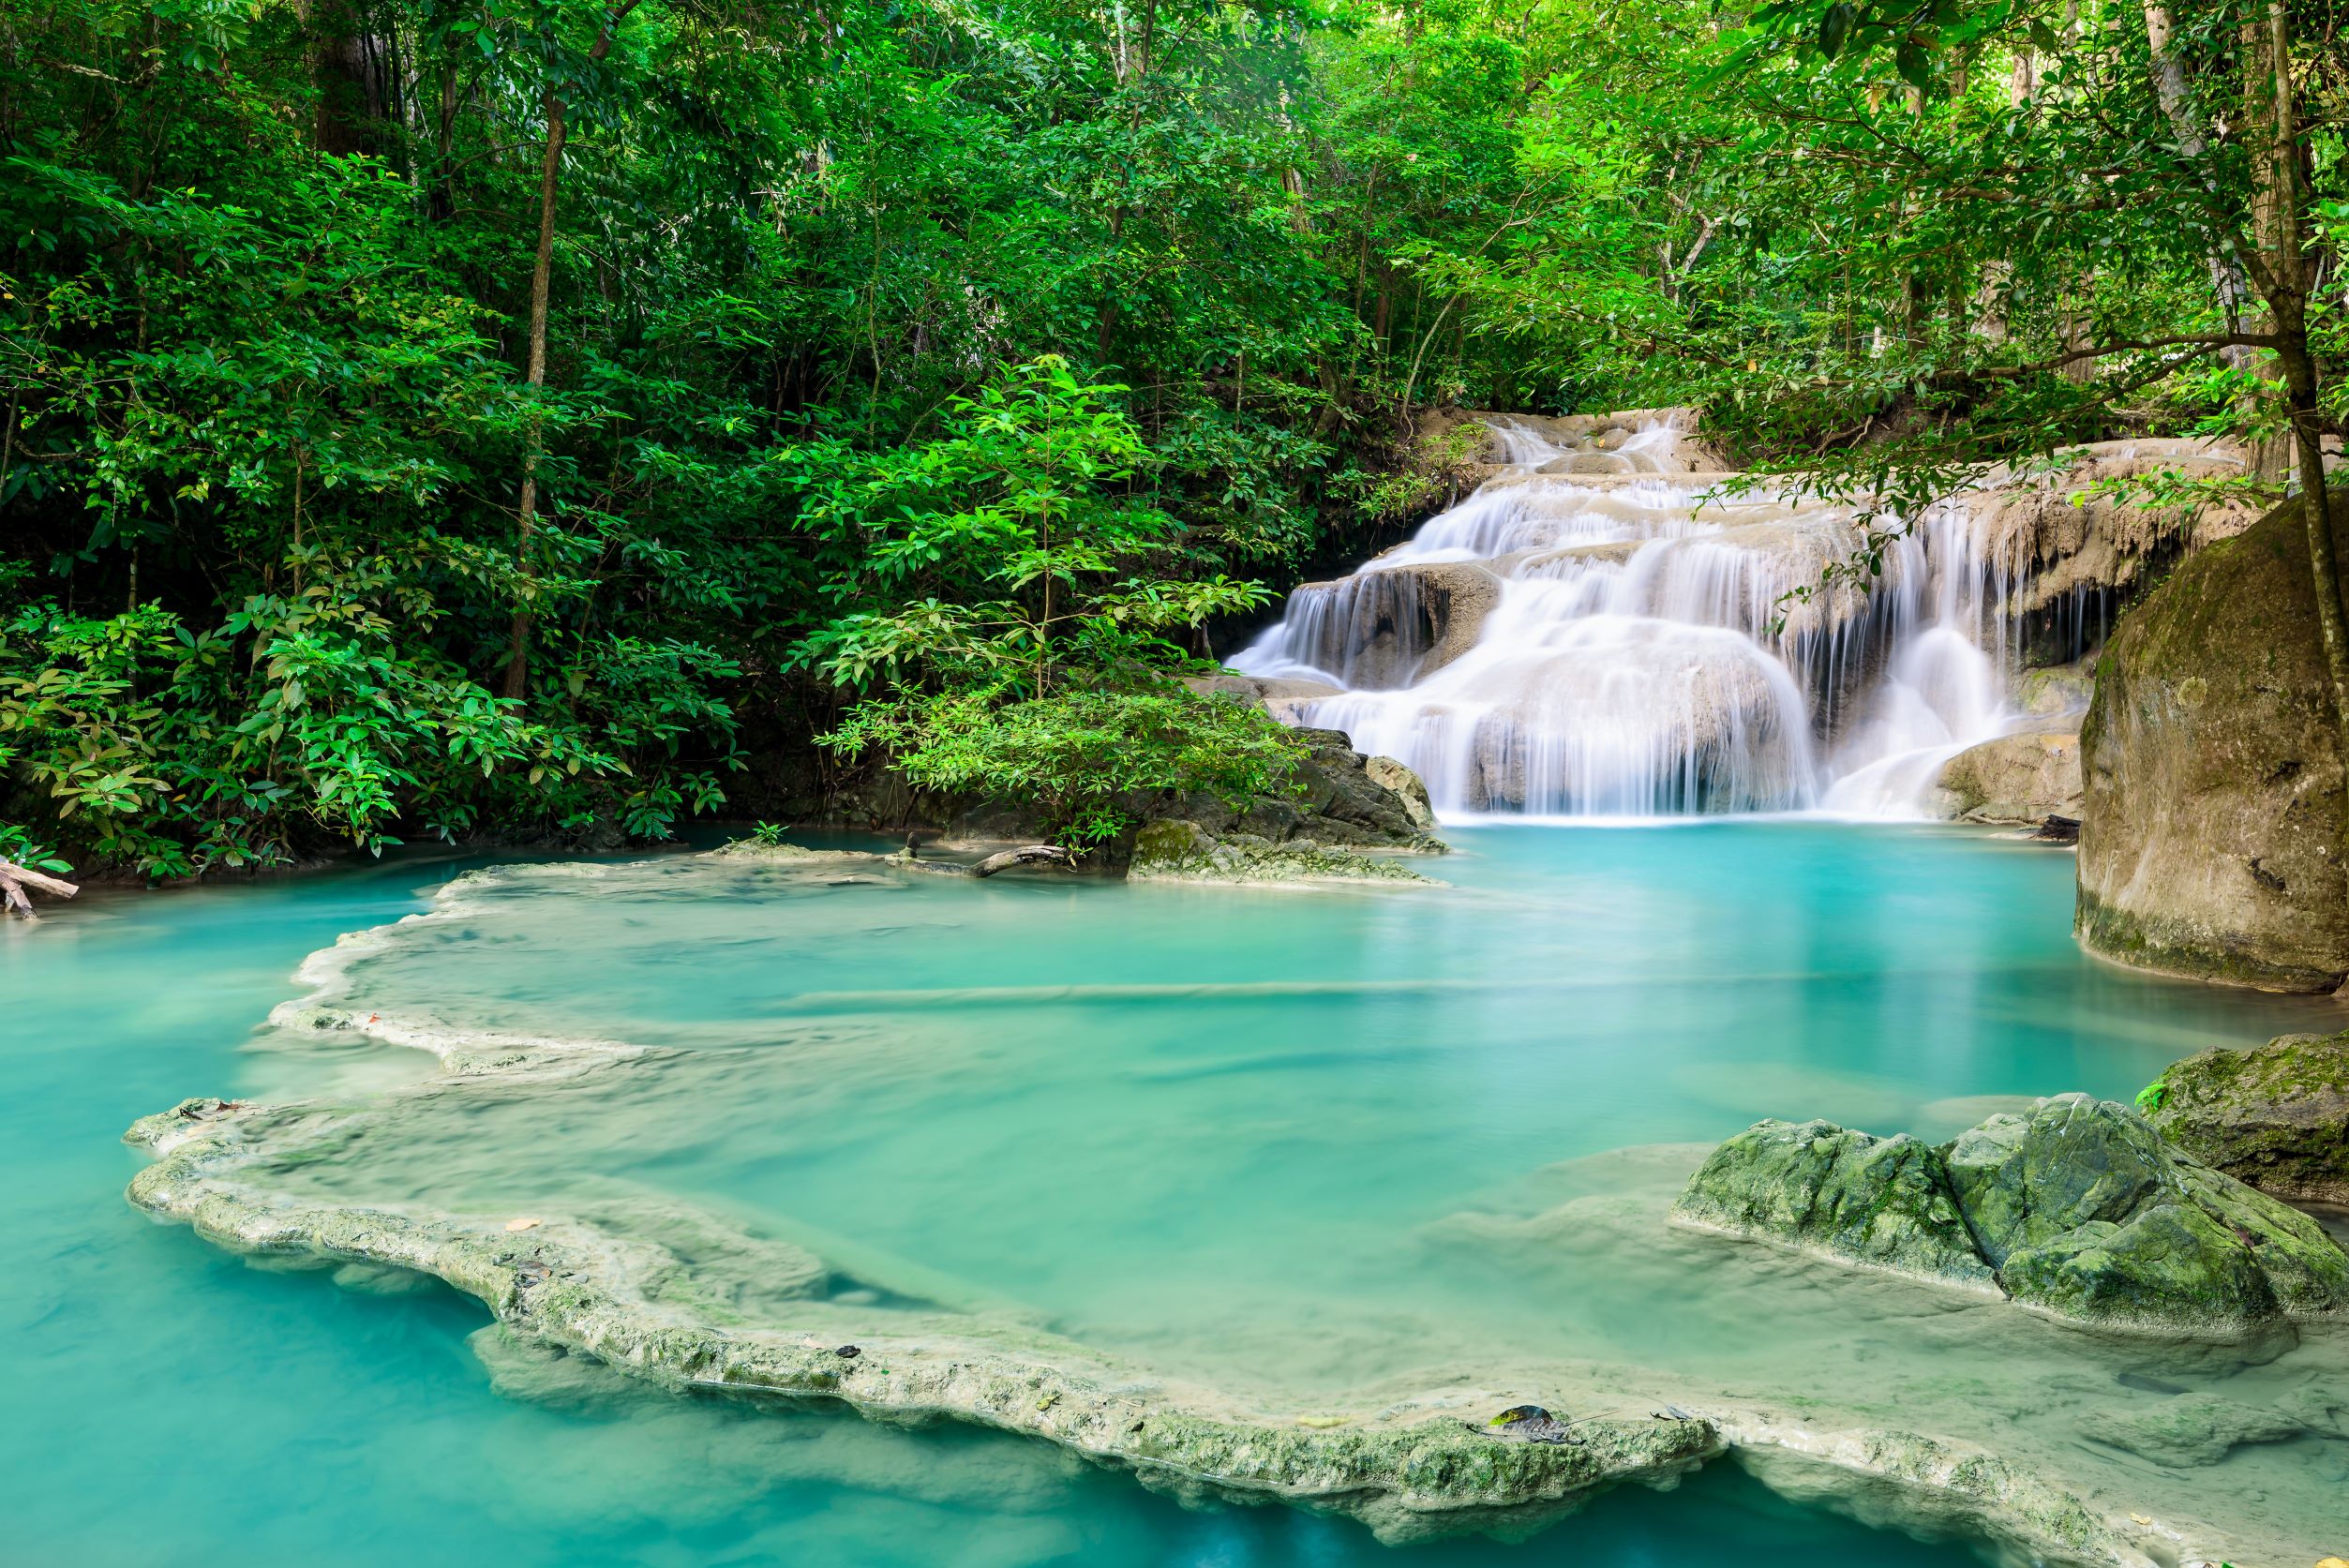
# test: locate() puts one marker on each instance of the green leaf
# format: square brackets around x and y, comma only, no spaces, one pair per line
[1834,27]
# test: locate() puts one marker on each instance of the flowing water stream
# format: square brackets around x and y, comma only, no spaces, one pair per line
[1299,1147]
[1595,632]
[1313,1151]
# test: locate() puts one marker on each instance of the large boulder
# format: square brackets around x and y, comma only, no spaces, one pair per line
[1824,1188]
[2024,777]
[2086,1210]
[2078,1207]
[2276,1116]
[1347,810]
[2212,832]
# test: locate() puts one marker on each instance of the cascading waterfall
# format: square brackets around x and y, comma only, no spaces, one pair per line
[1592,634]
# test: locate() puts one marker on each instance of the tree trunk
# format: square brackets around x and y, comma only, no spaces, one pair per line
[2274,225]
[518,666]
[2169,85]
[2287,300]
[345,73]
[14,879]
[1137,70]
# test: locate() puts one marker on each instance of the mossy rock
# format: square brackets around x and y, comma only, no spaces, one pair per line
[2210,831]
[2079,1208]
[2276,1116]
[2087,1211]
[1879,1200]
[1180,851]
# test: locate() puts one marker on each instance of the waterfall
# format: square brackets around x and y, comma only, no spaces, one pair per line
[1595,632]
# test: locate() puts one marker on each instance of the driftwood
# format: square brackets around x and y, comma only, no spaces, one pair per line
[1003,860]
[1026,855]
[14,879]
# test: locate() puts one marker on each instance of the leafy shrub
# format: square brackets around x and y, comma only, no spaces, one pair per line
[1081,757]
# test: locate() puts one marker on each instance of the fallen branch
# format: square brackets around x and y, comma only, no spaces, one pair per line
[14,879]
[1003,860]
[1047,854]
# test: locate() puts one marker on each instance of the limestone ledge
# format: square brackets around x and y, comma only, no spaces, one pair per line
[1412,1468]
[1408,1471]
[681,1300]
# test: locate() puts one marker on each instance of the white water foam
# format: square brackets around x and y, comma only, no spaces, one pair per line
[1641,658]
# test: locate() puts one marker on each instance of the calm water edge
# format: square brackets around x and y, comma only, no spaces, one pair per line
[166,1404]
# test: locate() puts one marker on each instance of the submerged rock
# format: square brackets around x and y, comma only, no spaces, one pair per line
[2078,1207]
[1879,1200]
[2210,841]
[2195,1429]
[2276,1116]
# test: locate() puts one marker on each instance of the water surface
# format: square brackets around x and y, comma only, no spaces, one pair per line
[1286,1142]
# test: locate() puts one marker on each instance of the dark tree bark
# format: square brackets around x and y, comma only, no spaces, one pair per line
[518,667]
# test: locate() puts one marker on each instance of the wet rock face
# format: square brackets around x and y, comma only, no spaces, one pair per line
[2028,777]
[2080,1208]
[1881,1201]
[2276,1117]
[1387,627]
[2078,557]
[2212,784]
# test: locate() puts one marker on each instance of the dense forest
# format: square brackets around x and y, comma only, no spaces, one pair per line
[554,420]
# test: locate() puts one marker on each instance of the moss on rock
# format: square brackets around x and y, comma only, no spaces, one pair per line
[1879,1200]
[1181,851]
[2079,1208]
[2276,1116]
[2212,784]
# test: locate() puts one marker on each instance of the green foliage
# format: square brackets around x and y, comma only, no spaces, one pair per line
[1002,552]
[1085,756]
[171,752]
[2151,1097]
[920,355]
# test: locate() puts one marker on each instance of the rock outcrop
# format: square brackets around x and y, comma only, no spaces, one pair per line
[2276,1116]
[2079,1208]
[2024,777]
[1596,445]
[2211,833]
[1884,1202]
[1343,800]
[1346,804]
[1340,804]
[1387,627]
[2077,556]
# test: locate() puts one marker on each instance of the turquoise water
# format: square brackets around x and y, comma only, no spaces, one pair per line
[1292,1143]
